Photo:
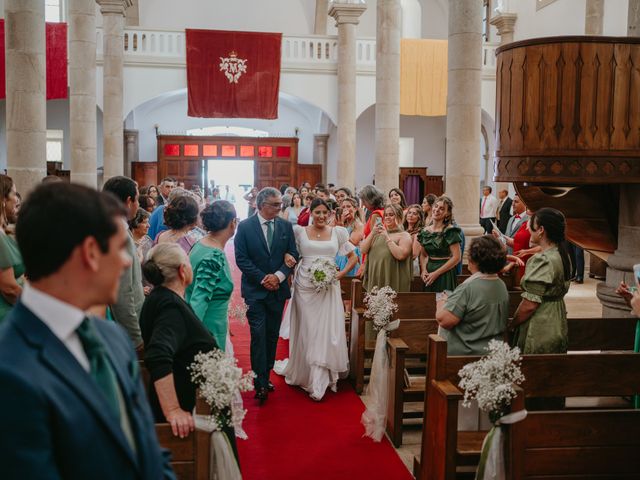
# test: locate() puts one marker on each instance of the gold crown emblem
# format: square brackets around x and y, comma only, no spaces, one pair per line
[233,54]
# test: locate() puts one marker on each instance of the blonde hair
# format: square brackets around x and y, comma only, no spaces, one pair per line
[398,212]
[162,263]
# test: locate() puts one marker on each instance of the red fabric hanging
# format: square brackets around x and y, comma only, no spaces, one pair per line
[233,74]
[56,58]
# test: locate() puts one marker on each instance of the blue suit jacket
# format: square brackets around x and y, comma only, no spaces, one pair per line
[256,261]
[53,417]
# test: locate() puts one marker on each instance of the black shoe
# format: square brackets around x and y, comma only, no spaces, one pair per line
[270,387]
[579,280]
[261,395]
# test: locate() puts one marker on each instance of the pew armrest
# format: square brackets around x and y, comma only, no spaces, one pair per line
[397,345]
[447,390]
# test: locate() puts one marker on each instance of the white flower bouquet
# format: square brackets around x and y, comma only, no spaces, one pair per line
[323,273]
[380,306]
[219,378]
[490,380]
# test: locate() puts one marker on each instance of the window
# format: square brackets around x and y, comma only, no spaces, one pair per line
[54,145]
[53,10]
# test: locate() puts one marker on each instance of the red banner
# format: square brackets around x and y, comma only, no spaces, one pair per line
[56,58]
[233,74]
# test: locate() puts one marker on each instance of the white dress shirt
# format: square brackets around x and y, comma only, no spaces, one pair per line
[61,318]
[263,223]
[488,206]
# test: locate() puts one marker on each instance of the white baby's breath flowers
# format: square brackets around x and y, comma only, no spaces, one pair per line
[238,311]
[380,306]
[490,380]
[323,273]
[218,378]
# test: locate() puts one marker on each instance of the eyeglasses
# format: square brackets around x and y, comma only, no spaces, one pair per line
[274,205]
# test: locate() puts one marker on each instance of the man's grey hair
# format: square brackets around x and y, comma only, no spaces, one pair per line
[181,192]
[266,193]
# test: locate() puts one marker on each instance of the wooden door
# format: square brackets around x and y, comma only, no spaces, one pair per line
[145,173]
[311,173]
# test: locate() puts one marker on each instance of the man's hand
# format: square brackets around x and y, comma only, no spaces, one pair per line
[271,282]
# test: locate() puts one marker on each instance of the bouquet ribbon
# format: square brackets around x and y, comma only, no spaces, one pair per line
[222,461]
[375,416]
[491,465]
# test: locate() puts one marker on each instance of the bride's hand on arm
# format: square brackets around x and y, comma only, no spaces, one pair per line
[289,260]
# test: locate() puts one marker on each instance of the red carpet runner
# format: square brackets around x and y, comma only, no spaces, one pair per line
[294,437]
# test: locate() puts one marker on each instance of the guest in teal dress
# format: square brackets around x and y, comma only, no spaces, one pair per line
[212,285]
[11,266]
[441,250]
[353,223]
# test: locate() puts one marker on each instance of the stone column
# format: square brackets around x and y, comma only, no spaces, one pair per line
[26,107]
[131,149]
[594,17]
[82,92]
[322,14]
[464,113]
[388,33]
[347,17]
[113,87]
[633,18]
[320,153]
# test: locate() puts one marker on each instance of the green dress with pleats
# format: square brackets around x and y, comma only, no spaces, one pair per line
[211,289]
[10,257]
[437,244]
[382,269]
[544,283]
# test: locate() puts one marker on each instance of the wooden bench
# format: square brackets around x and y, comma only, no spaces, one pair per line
[411,341]
[411,305]
[562,375]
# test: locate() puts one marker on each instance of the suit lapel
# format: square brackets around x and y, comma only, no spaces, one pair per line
[260,233]
[57,358]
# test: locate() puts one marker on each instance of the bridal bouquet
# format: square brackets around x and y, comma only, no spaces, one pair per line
[490,381]
[380,306]
[219,378]
[323,273]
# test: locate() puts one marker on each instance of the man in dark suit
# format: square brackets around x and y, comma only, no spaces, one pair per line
[504,210]
[74,405]
[261,243]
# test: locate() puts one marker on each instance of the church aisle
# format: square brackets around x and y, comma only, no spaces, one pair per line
[294,437]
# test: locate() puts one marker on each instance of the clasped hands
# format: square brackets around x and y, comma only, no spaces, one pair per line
[271,281]
[429,277]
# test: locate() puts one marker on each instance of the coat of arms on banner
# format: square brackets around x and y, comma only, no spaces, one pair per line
[233,67]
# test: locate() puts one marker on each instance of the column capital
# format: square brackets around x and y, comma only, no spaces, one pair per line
[114,7]
[504,22]
[345,12]
[321,137]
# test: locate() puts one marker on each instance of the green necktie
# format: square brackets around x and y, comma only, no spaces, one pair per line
[101,369]
[270,233]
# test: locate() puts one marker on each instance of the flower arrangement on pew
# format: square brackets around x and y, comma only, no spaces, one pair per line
[219,381]
[323,273]
[381,306]
[490,381]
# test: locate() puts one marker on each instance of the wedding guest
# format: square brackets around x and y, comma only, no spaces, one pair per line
[166,185]
[413,224]
[373,200]
[292,212]
[74,405]
[126,310]
[152,191]
[440,248]
[503,212]
[427,205]
[156,222]
[388,251]
[396,197]
[11,265]
[322,193]
[212,285]
[181,216]
[342,193]
[147,203]
[488,209]
[139,227]
[304,217]
[540,323]
[304,191]
[250,197]
[351,221]
[478,310]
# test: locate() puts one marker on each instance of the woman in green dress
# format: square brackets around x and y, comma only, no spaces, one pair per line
[11,266]
[540,322]
[212,285]
[440,248]
[388,249]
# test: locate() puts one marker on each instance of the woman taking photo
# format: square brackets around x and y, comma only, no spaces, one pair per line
[440,250]
[212,285]
[413,224]
[388,251]
[11,266]
[396,197]
[351,221]
[540,323]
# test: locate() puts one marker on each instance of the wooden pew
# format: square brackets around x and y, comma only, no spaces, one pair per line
[585,444]
[562,375]
[411,341]
[411,305]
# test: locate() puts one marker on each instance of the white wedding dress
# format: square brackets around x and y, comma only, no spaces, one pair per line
[318,354]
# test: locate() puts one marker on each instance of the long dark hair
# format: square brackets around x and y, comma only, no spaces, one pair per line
[554,225]
[403,200]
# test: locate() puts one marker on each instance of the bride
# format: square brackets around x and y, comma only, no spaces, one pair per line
[318,345]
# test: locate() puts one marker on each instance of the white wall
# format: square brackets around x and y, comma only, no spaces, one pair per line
[429,143]
[615,18]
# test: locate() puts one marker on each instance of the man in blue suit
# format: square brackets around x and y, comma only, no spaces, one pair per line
[261,243]
[73,405]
